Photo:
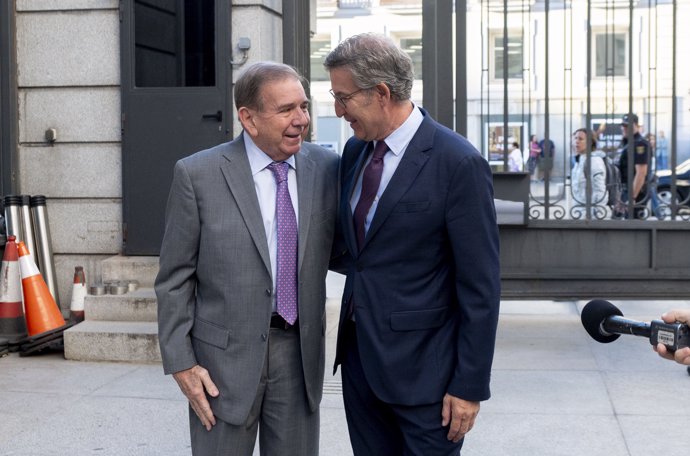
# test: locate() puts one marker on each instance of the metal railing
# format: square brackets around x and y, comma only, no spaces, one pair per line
[666,197]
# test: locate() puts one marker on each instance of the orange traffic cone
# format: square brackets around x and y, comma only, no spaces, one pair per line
[12,325]
[76,307]
[42,313]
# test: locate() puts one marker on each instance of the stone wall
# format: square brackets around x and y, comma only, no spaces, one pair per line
[68,76]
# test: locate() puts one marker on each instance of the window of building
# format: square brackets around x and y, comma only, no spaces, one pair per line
[175,43]
[320,47]
[515,55]
[413,47]
[496,140]
[610,54]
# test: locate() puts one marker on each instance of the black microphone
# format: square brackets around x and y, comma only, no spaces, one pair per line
[605,323]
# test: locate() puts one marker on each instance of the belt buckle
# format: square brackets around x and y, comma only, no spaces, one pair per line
[279,322]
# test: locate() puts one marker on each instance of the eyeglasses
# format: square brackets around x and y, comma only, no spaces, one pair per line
[343,99]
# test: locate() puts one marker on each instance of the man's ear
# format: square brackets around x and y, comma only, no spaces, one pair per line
[246,118]
[383,92]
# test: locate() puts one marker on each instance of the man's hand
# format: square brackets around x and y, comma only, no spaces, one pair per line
[681,356]
[195,383]
[460,414]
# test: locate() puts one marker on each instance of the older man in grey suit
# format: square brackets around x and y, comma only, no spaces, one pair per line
[241,288]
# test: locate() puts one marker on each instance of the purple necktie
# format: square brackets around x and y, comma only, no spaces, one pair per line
[371,179]
[286,275]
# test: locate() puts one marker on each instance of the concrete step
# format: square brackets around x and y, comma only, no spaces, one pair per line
[140,268]
[138,305]
[130,341]
[117,328]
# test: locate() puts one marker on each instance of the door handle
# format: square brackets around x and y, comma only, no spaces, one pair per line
[218,116]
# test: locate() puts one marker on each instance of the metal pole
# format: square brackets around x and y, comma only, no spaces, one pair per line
[43,244]
[28,229]
[505,85]
[547,136]
[461,67]
[588,116]
[13,217]
[631,133]
[674,117]
[437,65]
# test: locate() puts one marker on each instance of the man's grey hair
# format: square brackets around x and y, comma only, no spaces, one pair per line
[372,59]
[248,86]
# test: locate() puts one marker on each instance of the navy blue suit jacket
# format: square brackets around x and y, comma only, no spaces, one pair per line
[425,284]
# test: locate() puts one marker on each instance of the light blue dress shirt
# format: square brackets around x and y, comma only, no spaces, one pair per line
[397,142]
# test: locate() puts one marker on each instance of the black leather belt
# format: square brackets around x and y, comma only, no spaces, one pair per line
[279,322]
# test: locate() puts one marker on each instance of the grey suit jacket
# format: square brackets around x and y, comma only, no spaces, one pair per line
[214,285]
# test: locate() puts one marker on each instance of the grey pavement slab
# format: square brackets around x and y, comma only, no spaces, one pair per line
[555,392]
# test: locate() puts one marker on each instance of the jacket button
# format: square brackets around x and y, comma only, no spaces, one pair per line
[264,337]
[268,291]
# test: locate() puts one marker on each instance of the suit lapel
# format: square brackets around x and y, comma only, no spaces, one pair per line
[238,175]
[416,155]
[306,171]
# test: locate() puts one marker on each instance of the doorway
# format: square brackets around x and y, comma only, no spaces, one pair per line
[176,100]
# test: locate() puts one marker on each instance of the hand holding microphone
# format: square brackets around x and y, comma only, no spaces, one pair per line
[670,337]
[682,355]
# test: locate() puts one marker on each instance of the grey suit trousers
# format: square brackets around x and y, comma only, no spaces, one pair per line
[280,412]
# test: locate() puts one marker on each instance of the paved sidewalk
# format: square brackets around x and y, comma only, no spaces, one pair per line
[555,392]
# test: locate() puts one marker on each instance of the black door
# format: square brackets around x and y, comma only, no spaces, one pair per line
[175,101]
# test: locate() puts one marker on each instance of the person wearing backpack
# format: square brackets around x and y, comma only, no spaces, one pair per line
[636,185]
[581,174]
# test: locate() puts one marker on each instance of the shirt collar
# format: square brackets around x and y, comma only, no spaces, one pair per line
[401,137]
[258,160]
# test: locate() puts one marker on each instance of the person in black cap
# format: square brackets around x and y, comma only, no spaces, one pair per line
[635,185]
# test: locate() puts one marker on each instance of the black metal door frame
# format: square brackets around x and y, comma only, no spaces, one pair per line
[8,99]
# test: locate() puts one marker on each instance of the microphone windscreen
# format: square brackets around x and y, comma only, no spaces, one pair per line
[594,314]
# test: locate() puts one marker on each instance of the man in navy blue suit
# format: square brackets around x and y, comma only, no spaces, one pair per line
[421,252]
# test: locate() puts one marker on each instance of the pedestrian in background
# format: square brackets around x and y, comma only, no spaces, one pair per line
[515,160]
[635,186]
[661,151]
[534,154]
[545,163]
[588,168]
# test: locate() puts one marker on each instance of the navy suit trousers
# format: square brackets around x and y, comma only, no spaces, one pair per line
[381,429]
